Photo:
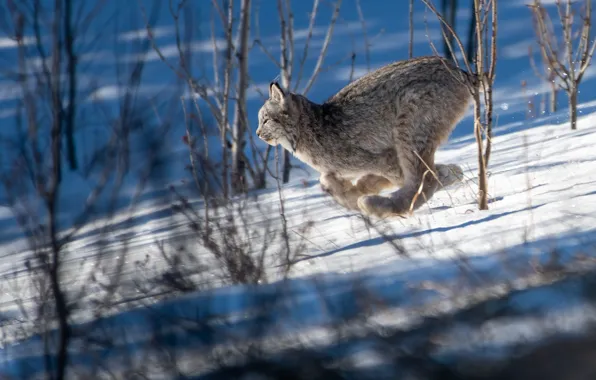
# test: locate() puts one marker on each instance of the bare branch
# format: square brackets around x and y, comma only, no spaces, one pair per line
[545,43]
[364,34]
[290,30]
[323,52]
[258,40]
[311,24]
[411,26]
[587,51]
[215,57]
[434,10]
[571,67]
[267,53]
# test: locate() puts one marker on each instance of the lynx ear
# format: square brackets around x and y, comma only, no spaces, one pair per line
[276,93]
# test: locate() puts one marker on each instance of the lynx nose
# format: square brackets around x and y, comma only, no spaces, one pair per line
[258,132]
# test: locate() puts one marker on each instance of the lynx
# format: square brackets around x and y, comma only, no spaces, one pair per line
[381,130]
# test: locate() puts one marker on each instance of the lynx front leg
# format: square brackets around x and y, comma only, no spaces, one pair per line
[342,190]
[372,184]
[346,194]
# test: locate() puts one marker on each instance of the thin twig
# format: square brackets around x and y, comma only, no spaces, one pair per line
[311,24]
[364,34]
[323,52]
[411,26]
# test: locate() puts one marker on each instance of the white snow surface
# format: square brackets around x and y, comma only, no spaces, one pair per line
[542,214]
[542,201]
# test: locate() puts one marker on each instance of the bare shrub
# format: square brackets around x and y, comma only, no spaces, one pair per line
[483,67]
[566,60]
[549,76]
[56,99]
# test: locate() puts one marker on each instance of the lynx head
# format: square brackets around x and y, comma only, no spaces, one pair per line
[278,118]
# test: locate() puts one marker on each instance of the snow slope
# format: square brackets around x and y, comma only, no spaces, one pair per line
[543,201]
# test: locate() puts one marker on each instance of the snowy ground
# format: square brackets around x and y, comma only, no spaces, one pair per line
[543,201]
[542,215]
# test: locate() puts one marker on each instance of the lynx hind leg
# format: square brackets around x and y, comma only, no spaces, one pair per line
[419,186]
[449,174]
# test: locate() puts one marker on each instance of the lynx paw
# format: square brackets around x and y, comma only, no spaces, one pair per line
[333,185]
[378,206]
[450,174]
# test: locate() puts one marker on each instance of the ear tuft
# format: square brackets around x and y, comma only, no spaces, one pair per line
[276,93]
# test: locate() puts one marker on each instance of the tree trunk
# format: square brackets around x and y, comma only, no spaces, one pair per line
[573,107]
[471,48]
[553,98]
[72,86]
[482,181]
[287,166]
[411,22]
[449,10]
[53,196]
[224,124]
[239,129]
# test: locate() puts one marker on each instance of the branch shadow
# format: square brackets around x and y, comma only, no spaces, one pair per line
[382,240]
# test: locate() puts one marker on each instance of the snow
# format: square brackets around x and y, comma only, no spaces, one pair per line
[543,200]
[543,205]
